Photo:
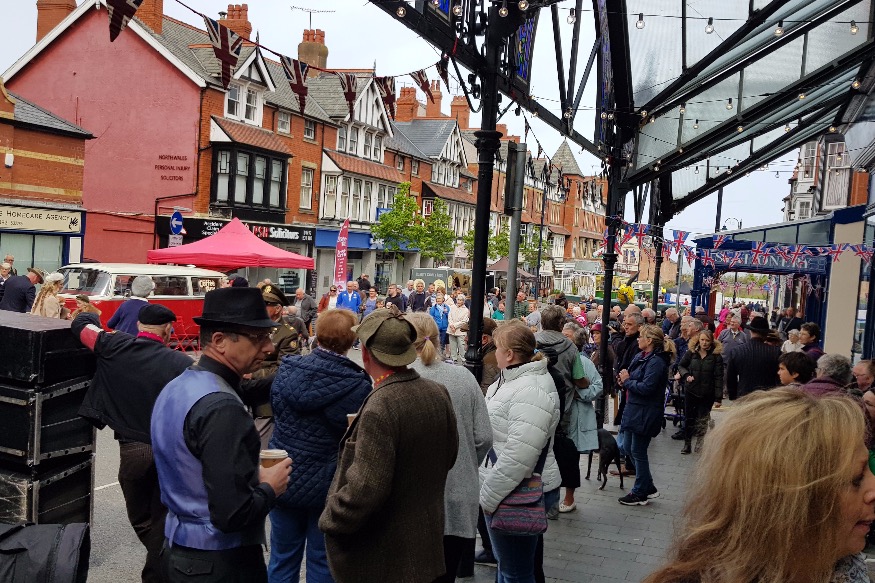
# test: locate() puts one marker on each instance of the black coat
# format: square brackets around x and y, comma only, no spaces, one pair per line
[707,374]
[751,367]
[18,294]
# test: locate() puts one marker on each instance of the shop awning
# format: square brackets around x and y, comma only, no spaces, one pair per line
[231,247]
[501,266]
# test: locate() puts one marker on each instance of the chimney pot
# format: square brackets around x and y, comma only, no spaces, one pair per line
[433,110]
[313,50]
[237,19]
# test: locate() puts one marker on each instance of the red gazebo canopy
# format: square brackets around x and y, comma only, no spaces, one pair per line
[231,247]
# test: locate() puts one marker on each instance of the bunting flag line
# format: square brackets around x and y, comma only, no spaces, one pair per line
[706,258]
[719,240]
[795,253]
[833,251]
[120,12]
[421,80]
[640,231]
[790,282]
[863,252]
[296,74]
[757,252]
[386,87]
[348,86]
[628,233]
[690,254]
[680,238]
[734,258]
[226,46]
[443,69]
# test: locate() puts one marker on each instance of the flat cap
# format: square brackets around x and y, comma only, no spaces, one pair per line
[156,315]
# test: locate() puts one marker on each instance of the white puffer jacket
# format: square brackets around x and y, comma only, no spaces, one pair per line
[523,409]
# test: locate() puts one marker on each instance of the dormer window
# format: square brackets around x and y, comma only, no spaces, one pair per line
[233,108]
[244,103]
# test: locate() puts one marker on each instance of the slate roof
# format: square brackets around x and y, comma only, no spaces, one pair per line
[502,148]
[192,46]
[401,143]
[34,115]
[364,167]
[564,158]
[250,135]
[559,230]
[325,88]
[449,193]
[429,135]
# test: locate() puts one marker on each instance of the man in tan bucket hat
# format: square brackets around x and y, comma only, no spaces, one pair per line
[384,516]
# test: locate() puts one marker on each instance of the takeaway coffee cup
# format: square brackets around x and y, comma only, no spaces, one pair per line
[271,457]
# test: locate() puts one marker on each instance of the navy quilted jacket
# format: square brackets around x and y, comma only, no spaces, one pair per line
[311,397]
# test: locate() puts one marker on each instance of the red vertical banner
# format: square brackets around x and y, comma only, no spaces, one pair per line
[340,256]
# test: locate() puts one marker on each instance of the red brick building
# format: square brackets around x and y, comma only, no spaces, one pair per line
[42,220]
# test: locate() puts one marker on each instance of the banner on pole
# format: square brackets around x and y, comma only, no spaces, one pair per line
[340,256]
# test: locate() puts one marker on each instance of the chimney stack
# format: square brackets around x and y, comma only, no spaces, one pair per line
[433,110]
[313,50]
[238,20]
[406,106]
[50,13]
[501,127]
[151,14]
[459,110]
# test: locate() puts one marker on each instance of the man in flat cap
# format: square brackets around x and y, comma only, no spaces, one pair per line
[384,516]
[207,449]
[20,291]
[131,371]
[285,342]
[126,316]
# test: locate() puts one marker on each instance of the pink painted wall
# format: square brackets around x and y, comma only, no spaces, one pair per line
[139,107]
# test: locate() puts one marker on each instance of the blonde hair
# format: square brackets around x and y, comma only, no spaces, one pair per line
[439,284]
[48,289]
[519,338]
[416,282]
[427,342]
[659,338]
[779,461]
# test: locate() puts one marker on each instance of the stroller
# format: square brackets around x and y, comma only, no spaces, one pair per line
[674,398]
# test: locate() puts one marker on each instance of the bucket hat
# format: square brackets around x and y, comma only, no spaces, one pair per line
[41,275]
[388,336]
[235,306]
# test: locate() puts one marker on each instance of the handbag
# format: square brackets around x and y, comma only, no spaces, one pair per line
[522,512]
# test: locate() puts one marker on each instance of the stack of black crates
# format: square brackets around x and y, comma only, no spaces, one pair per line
[46,449]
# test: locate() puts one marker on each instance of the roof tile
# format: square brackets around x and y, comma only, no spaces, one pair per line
[449,193]
[31,113]
[364,167]
[252,136]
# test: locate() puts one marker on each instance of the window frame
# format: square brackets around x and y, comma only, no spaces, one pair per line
[399,162]
[366,144]
[236,87]
[284,118]
[414,167]
[312,173]
[341,139]
[353,141]
[309,129]
[234,151]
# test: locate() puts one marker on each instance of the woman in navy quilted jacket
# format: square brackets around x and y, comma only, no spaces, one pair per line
[311,397]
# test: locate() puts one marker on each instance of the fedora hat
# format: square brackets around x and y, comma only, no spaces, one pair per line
[235,306]
[760,325]
[388,336]
[40,274]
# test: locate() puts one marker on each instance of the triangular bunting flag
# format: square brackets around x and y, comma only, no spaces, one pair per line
[226,46]
[296,74]
[120,12]
[421,80]
[386,87]
[862,251]
[680,238]
[443,69]
[719,240]
[348,86]
[690,254]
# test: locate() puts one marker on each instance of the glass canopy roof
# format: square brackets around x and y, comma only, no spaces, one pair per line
[722,88]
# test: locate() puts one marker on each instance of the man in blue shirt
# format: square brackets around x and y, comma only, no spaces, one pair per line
[350,299]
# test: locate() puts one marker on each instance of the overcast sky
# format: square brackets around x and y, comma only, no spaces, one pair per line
[359,35]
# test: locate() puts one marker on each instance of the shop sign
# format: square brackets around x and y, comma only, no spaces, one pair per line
[40,219]
[200,228]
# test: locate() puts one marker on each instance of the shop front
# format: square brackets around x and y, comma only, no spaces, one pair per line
[41,236]
[292,238]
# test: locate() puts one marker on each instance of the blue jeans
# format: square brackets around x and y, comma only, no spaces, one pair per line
[516,554]
[636,444]
[290,529]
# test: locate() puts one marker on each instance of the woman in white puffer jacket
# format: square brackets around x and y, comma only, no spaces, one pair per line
[523,410]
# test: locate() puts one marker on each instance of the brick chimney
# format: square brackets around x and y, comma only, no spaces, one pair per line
[151,13]
[433,110]
[406,106]
[313,50]
[50,13]
[238,20]
[501,127]
[459,110]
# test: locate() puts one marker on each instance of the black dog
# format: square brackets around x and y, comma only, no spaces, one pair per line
[608,452]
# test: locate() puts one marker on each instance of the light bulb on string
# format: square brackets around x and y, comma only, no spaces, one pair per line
[457,9]
[696,125]
[780,29]
[709,28]
[436,3]
[640,24]
[683,108]
[856,84]
[801,96]
[523,5]
[832,129]
[729,103]
[401,12]
[777,174]
[567,114]
[787,128]
[610,115]
[572,16]
[854,28]
[697,170]
[739,129]
[604,114]
[503,11]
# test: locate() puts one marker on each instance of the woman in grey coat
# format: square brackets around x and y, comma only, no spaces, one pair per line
[462,493]
[583,425]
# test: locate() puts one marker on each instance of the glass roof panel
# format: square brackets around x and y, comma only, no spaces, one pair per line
[832,39]
[687,179]
[728,17]
[656,139]
[660,36]
[772,73]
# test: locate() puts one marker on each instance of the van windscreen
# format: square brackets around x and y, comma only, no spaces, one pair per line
[90,282]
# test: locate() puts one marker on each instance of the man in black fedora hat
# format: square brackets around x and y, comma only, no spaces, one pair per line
[207,449]
[403,440]
[754,365]
[131,371]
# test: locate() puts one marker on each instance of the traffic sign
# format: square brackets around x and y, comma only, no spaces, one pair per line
[174,240]
[176,223]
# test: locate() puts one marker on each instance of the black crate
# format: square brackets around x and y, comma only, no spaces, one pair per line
[41,426]
[62,496]
[41,351]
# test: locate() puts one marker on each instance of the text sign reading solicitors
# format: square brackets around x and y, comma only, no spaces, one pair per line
[200,228]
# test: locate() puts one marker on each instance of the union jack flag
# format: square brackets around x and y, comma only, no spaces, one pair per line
[120,12]
[296,74]
[863,252]
[386,87]
[733,258]
[795,253]
[421,80]
[834,251]
[690,254]
[719,240]
[706,258]
[680,238]
[348,86]
[627,235]
[639,231]
[790,282]
[758,251]
[781,252]
[666,250]
[226,46]
[443,69]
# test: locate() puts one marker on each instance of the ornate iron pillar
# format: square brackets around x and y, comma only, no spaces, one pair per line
[657,234]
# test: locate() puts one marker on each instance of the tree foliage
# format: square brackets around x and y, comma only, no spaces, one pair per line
[436,238]
[404,227]
[498,244]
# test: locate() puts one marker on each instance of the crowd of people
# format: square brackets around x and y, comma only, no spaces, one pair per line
[391,468]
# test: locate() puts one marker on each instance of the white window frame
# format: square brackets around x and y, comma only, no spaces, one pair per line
[230,102]
[306,201]
[329,197]
[353,139]
[378,148]
[806,205]
[414,167]
[284,122]
[309,129]
[254,105]
[368,142]
[399,162]
[427,207]
[341,139]
[809,157]
[241,112]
